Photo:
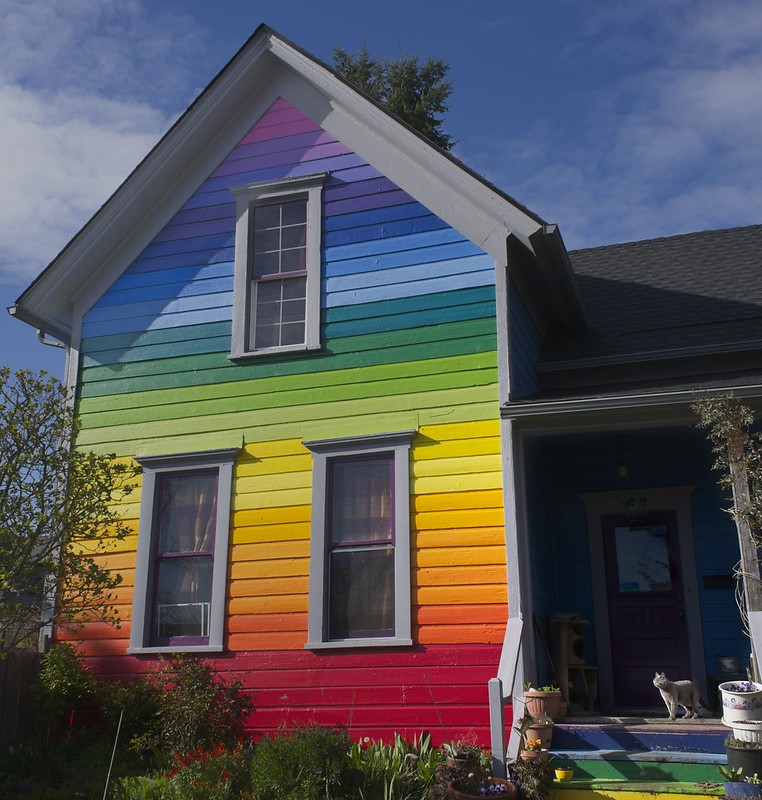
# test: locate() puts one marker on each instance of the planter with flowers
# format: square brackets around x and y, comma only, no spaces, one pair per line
[532,750]
[741,701]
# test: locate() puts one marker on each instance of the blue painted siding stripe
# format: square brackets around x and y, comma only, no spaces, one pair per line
[437,308]
[168,276]
[142,295]
[152,322]
[391,274]
[397,244]
[431,286]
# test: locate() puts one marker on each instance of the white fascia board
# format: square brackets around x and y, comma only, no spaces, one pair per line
[203,137]
[450,191]
[148,198]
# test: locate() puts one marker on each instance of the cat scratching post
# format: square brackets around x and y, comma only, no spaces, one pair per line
[577,680]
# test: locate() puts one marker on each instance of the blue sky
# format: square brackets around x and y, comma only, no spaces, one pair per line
[617,120]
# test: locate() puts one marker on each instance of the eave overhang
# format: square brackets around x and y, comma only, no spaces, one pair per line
[212,126]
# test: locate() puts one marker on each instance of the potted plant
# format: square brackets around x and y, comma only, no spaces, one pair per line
[744,755]
[463,754]
[464,775]
[534,778]
[739,787]
[542,702]
[741,701]
[532,750]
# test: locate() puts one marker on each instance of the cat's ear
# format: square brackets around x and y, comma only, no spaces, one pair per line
[656,675]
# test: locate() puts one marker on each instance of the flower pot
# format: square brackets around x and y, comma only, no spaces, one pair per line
[749,731]
[540,704]
[740,789]
[534,755]
[540,730]
[510,793]
[750,761]
[564,773]
[739,706]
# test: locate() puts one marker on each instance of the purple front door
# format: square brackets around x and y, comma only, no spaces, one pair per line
[645,601]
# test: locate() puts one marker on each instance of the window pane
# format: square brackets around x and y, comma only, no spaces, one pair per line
[266,264]
[292,333]
[294,288]
[266,241]
[183,596]
[293,260]
[293,310]
[187,510]
[361,500]
[361,593]
[266,336]
[294,213]
[295,236]
[266,217]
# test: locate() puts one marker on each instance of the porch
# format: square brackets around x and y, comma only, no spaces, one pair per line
[625,528]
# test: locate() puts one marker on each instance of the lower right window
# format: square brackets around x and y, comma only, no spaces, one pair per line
[360,548]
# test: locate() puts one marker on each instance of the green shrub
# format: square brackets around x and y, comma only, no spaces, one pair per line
[195,708]
[308,763]
[62,684]
[216,773]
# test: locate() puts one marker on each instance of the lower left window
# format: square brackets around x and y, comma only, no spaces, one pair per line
[181,565]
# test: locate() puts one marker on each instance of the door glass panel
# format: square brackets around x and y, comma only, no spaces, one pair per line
[642,558]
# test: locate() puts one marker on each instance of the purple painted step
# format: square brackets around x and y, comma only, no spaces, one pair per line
[638,734]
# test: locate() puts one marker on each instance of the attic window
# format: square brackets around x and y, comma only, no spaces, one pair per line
[276,306]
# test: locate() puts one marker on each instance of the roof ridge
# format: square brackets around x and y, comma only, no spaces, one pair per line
[673,237]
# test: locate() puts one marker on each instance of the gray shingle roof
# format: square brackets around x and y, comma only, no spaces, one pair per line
[699,291]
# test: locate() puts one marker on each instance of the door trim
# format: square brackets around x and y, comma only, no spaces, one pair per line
[671,498]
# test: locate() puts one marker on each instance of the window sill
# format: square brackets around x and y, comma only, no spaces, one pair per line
[379,641]
[180,648]
[245,355]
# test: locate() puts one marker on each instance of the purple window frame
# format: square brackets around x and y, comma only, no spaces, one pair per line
[358,545]
[157,557]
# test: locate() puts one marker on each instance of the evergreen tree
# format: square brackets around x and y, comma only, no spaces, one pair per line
[413,90]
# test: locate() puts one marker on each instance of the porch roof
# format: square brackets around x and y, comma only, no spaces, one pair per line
[665,314]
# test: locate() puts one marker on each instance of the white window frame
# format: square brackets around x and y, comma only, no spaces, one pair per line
[248,197]
[142,606]
[323,451]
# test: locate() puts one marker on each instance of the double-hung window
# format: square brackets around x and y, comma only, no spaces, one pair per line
[360,545]
[276,304]
[181,567]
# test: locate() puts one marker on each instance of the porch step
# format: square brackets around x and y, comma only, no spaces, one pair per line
[642,766]
[703,735]
[627,757]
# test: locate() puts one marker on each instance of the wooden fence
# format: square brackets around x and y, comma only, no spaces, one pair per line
[18,671]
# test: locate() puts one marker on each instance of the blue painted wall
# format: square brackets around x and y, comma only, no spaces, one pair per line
[524,343]
[560,468]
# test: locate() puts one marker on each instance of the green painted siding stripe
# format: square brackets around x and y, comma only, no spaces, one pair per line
[443,339]
[444,381]
[288,383]
[296,414]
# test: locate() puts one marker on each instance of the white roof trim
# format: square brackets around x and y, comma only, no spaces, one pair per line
[265,68]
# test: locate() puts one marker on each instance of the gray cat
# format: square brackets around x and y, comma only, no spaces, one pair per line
[678,693]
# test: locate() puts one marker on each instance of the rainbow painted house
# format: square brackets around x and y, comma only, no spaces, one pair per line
[381,411]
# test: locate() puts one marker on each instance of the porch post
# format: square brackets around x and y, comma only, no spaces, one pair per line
[497,727]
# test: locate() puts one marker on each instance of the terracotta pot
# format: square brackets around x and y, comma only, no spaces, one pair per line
[542,703]
[534,755]
[540,730]
[511,792]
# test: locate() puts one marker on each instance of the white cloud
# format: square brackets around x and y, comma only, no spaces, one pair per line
[670,146]
[86,89]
